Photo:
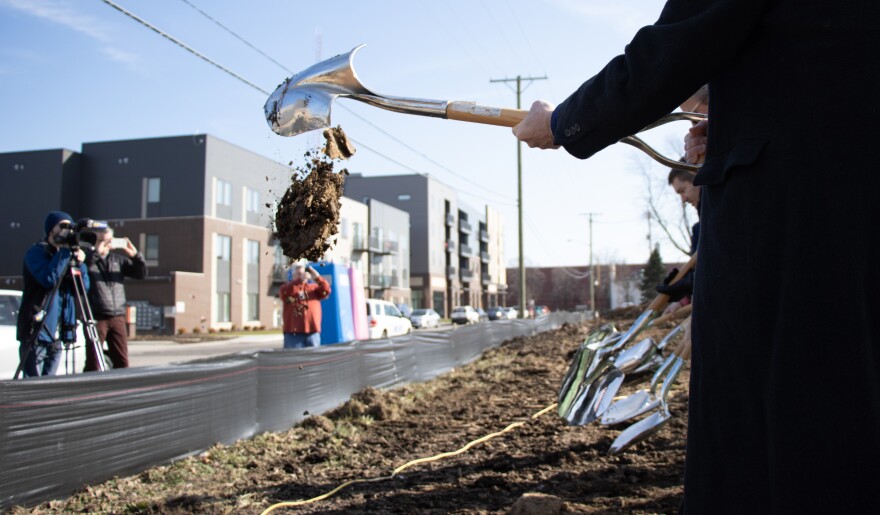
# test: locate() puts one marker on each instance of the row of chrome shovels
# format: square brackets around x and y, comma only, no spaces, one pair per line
[601,362]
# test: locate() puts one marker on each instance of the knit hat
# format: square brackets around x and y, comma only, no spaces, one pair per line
[53,218]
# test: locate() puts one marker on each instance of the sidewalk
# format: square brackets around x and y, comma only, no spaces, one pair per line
[143,353]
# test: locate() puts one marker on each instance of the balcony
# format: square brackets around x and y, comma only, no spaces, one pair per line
[484,256]
[381,246]
[466,275]
[380,281]
[450,245]
[486,279]
[465,251]
[464,226]
[359,243]
[450,219]
[484,235]
[390,247]
[279,274]
[450,273]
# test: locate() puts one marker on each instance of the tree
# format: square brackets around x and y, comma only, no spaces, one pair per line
[652,275]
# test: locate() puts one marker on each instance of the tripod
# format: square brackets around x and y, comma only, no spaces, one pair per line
[83,312]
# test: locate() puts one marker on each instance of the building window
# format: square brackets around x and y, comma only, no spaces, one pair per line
[224,193]
[405,196]
[343,228]
[223,276]
[253,200]
[253,280]
[154,187]
[151,247]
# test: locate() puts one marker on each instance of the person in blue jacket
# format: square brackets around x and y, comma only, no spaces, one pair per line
[45,263]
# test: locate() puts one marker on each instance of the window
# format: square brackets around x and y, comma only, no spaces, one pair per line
[253,200]
[343,228]
[223,276]
[224,193]
[405,196]
[151,250]
[252,298]
[154,187]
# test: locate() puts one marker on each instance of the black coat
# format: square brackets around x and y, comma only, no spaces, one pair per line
[107,292]
[785,381]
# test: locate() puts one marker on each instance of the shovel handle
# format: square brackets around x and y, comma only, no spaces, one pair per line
[471,112]
[686,344]
[662,300]
[675,315]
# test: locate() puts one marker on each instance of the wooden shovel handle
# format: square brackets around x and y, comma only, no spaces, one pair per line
[662,300]
[471,112]
[686,342]
[675,315]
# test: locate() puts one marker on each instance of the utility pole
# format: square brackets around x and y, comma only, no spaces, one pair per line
[594,313]
[519,199]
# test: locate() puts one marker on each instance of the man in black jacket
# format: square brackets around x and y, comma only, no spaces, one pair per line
[107,271]
[784,412]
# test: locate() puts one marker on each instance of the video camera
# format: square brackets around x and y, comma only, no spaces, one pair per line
[81,234]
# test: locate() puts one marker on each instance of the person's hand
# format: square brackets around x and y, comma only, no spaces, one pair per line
[671,308]
[534,130]
[79,256]
[695,142]
[129,248]
[314,273]
[677,290]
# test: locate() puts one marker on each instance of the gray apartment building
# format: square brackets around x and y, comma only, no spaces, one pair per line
[456,252]
[198,208]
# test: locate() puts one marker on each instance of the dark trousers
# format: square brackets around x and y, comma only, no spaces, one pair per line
[114,332]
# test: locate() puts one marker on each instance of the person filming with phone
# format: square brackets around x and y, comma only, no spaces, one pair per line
[111,261]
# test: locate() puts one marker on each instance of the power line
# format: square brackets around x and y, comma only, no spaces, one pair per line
[230,31]
[183,45]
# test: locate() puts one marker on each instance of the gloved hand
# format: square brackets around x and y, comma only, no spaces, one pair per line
[680,289]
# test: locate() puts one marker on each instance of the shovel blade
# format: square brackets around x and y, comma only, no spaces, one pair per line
[592,402]
[631,407]
[640,431]
[581,371]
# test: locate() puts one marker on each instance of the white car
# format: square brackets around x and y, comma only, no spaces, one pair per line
[10,303]
[425,318]
[512,313]
[464,315]
[385,320]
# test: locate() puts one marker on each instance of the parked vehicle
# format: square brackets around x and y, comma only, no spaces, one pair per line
[497,313]
[405,310]
[541,310]
[484,317]
[385,320]
[511,313]
[464,315]
[425,318]
[10,302]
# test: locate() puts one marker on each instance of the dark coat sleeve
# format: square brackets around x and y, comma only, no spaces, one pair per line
[663,65]
[135,267]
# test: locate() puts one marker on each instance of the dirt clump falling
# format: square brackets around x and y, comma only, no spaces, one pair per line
[308,214]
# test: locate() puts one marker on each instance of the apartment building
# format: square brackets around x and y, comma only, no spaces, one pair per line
[456,252]
[197,207]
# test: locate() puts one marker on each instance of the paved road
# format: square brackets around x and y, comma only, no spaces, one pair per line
[144,353]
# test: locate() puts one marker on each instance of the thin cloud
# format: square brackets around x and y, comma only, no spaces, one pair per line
[66,14]
[625,18]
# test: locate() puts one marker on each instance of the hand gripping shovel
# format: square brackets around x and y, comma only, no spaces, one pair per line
[643,401]
[303,103]
[589,397]
[646,427]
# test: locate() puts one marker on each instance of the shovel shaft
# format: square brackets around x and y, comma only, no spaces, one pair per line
[662,300]
[675,315]
[471,112]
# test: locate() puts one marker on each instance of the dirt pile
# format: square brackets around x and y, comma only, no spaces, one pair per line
[568,467]
[308,213]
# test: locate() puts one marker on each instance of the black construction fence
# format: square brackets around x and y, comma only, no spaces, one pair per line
[58,434]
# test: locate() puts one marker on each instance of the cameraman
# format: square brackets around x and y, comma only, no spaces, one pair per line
[45,264]
[107,271]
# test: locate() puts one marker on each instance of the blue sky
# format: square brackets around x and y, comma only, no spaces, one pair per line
[76,71]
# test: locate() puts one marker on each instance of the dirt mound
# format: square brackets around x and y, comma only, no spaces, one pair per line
[308,214]
[508,384]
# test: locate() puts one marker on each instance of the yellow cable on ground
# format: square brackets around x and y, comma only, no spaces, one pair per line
[511,427]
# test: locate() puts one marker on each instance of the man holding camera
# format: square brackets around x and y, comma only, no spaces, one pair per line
[302,306]
[45,264]
[107,272]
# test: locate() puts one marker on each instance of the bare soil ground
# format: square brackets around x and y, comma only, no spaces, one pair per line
[376,432]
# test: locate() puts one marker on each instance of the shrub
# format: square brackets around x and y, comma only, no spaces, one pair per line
[212,330]
[196,330]
[182,330]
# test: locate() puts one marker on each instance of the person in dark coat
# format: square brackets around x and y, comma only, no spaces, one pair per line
[107,271]
[45,264]
[784,413]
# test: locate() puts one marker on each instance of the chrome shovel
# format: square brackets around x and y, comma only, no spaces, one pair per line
[648,426]
[303,103]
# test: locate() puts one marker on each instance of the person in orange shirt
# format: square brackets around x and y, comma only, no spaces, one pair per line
[302,306]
